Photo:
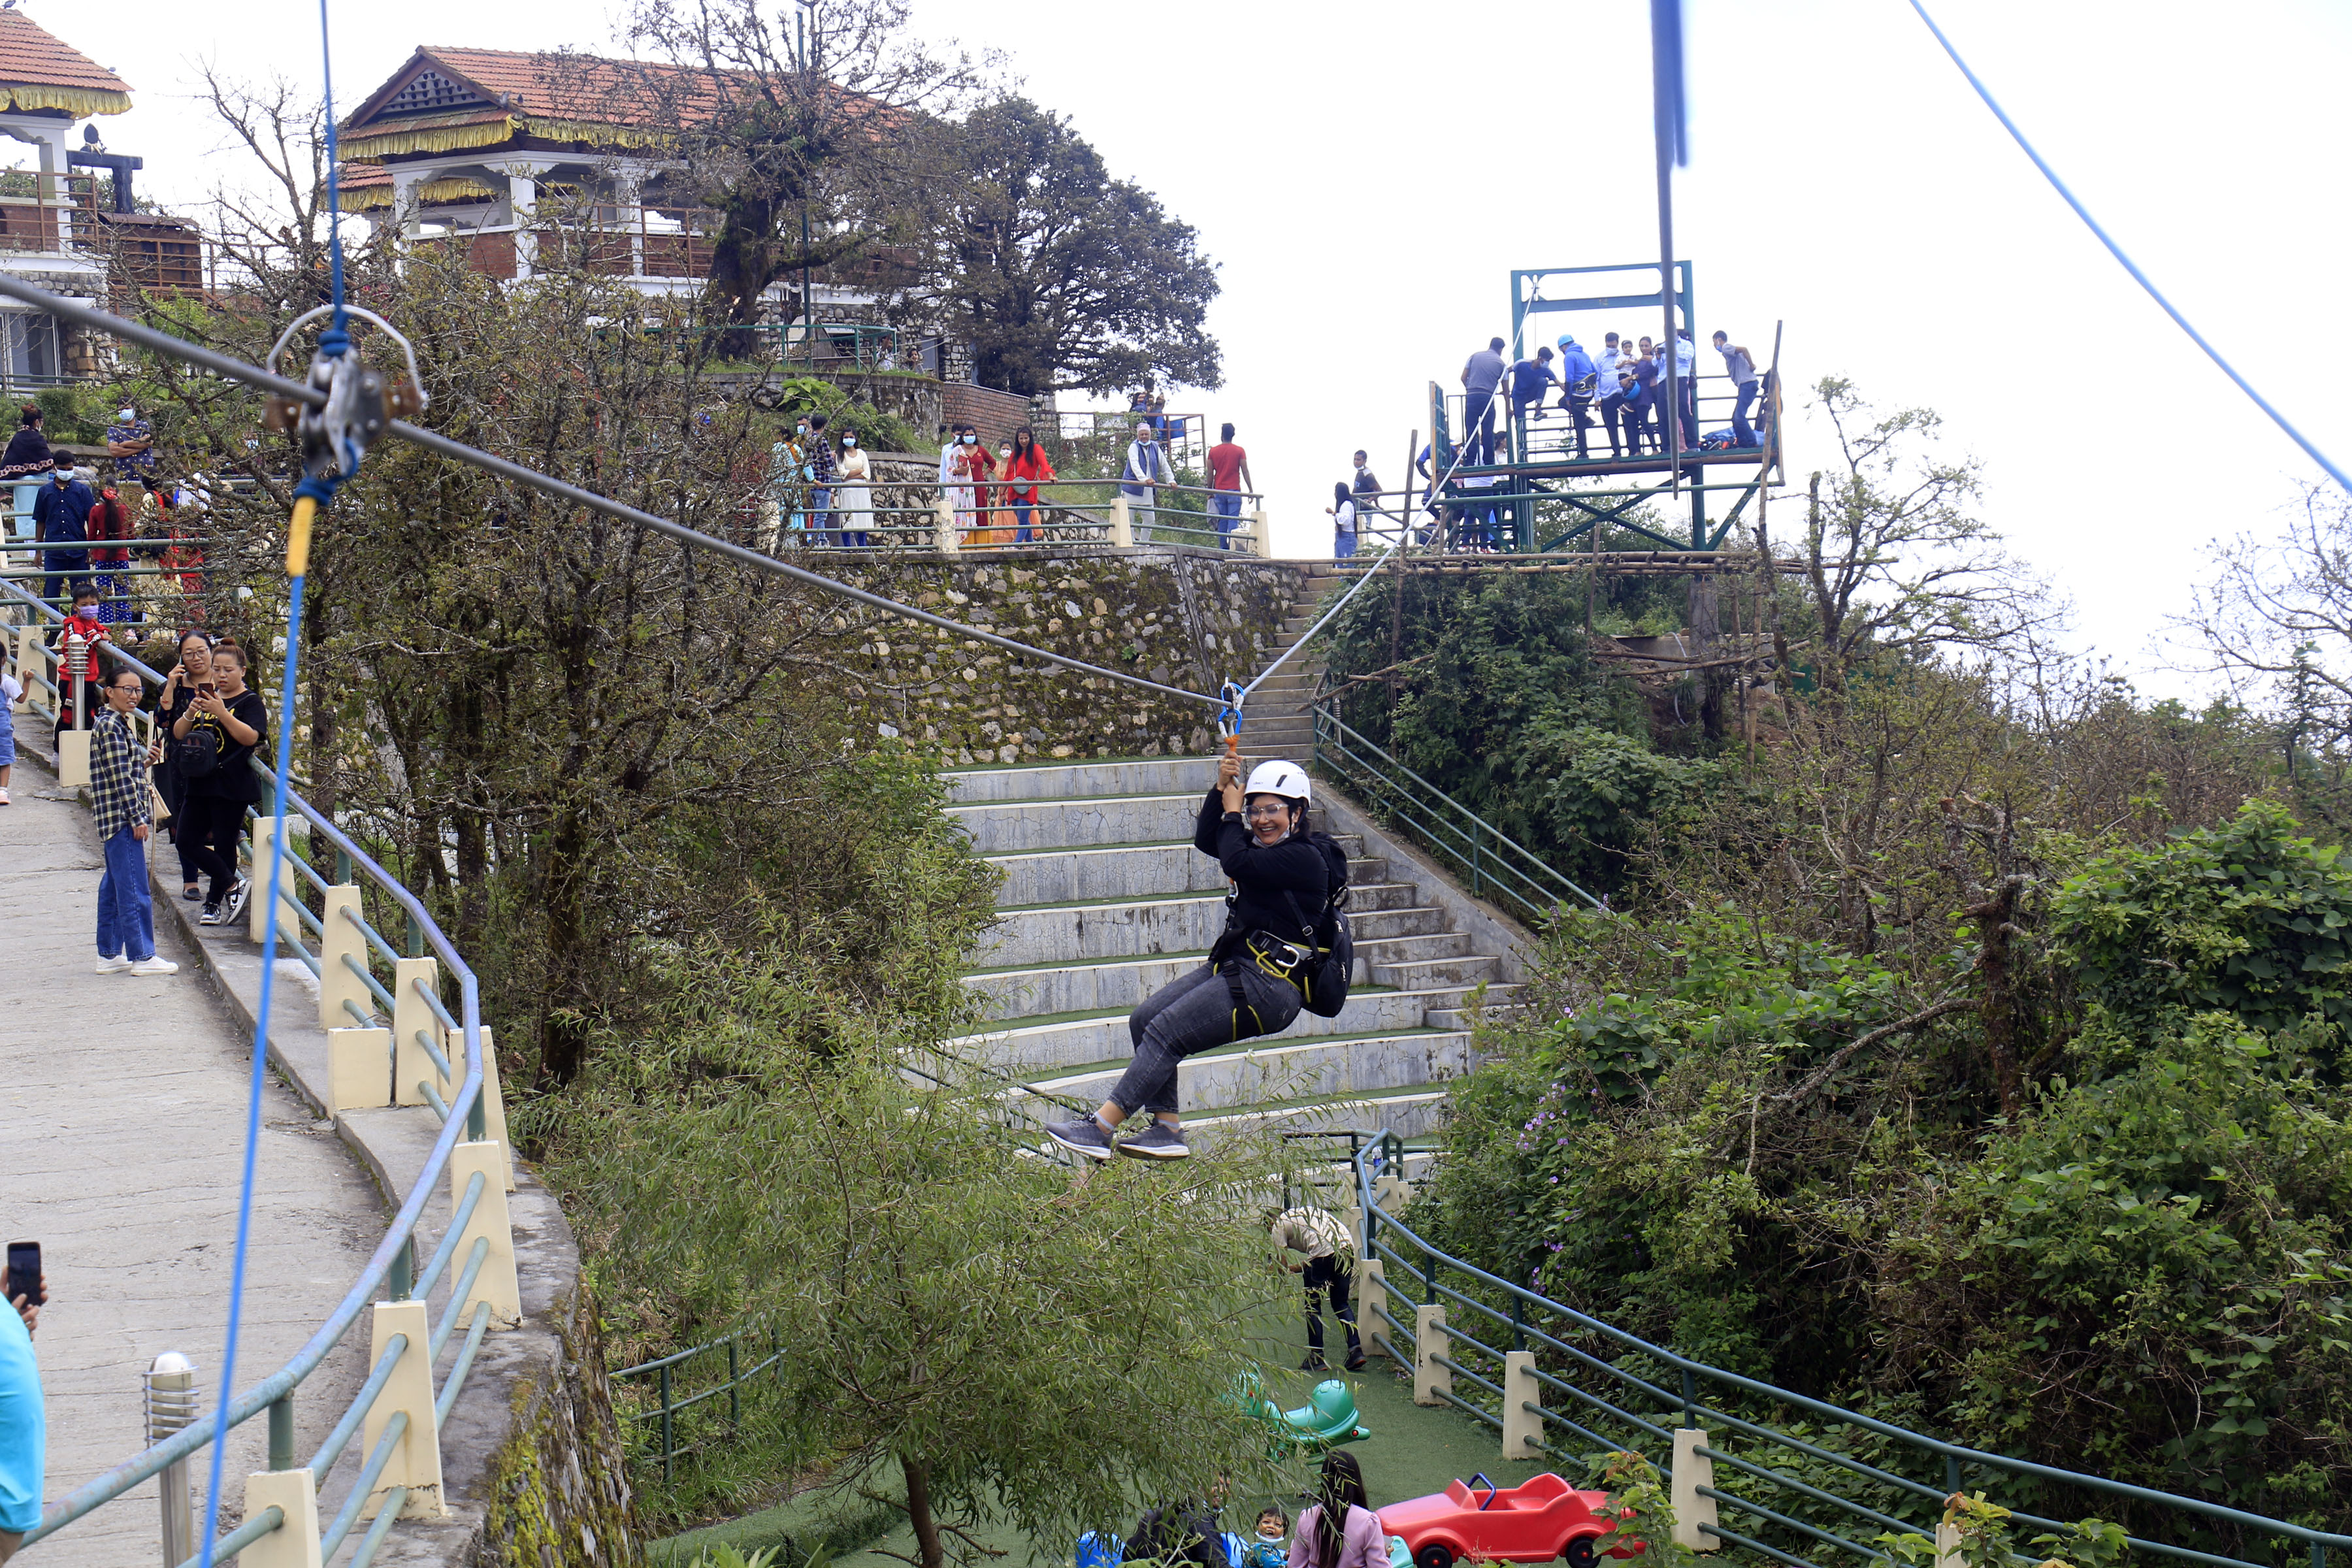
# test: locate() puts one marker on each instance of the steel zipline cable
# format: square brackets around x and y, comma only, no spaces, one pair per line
[2116,250]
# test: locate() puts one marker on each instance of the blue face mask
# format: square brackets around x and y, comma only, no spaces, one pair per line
[971,440]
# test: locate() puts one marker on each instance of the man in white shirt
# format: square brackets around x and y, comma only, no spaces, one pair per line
[1686,376]
[1139,481]
[1613,396]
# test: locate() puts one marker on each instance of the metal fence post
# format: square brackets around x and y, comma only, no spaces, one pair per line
[281,1433]
[415,937]
[404,1268]
[172,1400]
[666,1422]
[1690,1396]
[734,1386]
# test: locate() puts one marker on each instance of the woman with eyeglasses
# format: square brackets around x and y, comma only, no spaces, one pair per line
[1281,879]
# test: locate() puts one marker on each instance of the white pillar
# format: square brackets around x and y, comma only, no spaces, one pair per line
[496,1282]
[943,526]
[1522,1427]
[410,1064]
[1122,527]
[337,983]
[294,1544]
[1692,1471]
[522,203]
[1430,1381]
[359,1069]
[1371,1300]
[257,903]
[406,204]
[416,1461]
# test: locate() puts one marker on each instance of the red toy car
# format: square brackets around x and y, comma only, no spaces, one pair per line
[1542,1518]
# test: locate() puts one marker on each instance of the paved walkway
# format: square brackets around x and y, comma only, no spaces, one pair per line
[123,1099]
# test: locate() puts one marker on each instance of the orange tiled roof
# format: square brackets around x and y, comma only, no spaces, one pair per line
[554,86]
[39,71]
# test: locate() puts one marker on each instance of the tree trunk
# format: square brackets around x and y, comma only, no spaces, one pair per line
[918,1511]
[1996,920]
[1705,619]
[563,1034]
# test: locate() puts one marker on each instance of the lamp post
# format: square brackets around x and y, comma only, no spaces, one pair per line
[810,38]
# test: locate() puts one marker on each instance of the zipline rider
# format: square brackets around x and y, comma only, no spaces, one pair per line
[1251,984]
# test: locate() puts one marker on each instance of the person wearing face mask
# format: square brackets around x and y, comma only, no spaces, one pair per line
[1139,481]
[781,501]
[852,499]
[970,465]
[130,443]
[1282,879]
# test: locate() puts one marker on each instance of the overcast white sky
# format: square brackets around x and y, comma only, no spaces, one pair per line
[1367,175]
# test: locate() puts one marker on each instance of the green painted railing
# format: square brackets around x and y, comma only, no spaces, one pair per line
[1489,864]
[1860,1474]
[392,1272]
[667,1373]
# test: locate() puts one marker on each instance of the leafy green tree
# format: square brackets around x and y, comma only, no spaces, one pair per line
[971,1333]
[1057,275]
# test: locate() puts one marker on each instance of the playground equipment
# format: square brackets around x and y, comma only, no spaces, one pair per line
[1326,1420]
[1535,1522]
[1539,491]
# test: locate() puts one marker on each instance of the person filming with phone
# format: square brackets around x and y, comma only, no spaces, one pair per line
[213,744]
[23,1430]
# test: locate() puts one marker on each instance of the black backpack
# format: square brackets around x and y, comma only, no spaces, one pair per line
[1324,978]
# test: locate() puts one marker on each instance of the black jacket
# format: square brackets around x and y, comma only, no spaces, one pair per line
[29,454]
[1178,1532]
[1261,876]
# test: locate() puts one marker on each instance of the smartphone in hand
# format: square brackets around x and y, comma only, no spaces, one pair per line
[25,1271]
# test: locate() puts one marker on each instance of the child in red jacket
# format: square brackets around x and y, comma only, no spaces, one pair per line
[83,623]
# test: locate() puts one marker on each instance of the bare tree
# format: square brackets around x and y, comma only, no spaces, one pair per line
[1897,563]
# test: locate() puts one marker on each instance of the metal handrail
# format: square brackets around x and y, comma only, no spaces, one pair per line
[1484,851]
[398,1236]
[1383,1148]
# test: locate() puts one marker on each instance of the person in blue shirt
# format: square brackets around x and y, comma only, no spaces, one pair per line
[23,1430]
[1530,380]
[1579,381]
[61,515]
[1639,377]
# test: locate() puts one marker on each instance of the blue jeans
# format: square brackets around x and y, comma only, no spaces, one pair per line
[1228,505]
[126,914]
[1741,431]
[1021,515]
[819,515]
[1342,545]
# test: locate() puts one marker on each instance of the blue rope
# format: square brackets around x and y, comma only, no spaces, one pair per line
[2118,252]
[334,342]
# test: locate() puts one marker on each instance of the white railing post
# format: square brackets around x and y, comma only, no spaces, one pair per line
[341,939]
[30,667]
[359,1069]
[943,526]
[1122,524]
[416,1461]
[1692,1471]
[494,1101]
[410,1064]
[1261,540]
[1371,1301]
[294,1544]
[257,903]
[495,1282]
[1522,1427]
[1430,1382]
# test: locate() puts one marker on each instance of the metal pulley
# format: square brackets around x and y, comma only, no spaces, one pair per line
[360,401]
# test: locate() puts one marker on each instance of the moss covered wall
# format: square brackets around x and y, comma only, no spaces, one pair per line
[1184,617]
[559,1495]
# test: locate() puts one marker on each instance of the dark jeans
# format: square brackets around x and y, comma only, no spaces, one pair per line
[1741,431]
[175,796]
[208,833]
[68,569]
[1613,417]
[1329,1276]
[1228,505]
[1192,1014]
[1689,389]
[1479,425]
[1641,432]
[820,501]
[1580,410]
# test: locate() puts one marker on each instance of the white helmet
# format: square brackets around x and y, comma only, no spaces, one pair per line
[1288,780]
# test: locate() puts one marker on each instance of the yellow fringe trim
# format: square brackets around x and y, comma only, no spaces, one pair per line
[391,143]
[75,101]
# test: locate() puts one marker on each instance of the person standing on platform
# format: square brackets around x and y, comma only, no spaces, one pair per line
[123,805]
[820,477]
[1579,378]
[109,530]
[1024,471]
[130,443]
[1229,476]
[1364,490]
[1686,377]
[1343,521]
[234,722]
[1327,1258]
[1480,375]
[853,497]
[83,624]
[1637,374]
[1608,362]
[61,515]
[1740,366]
[1146,469]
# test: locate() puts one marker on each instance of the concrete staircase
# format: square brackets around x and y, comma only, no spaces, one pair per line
[1105,900]
[1276,723]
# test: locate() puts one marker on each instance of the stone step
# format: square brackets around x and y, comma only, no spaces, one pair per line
[1071,780]
[1022,1048]
[998,826]
[1414,1113]
[1287,1070]
[1425,975]
[1177,924]
[1071,876]
[1377,947]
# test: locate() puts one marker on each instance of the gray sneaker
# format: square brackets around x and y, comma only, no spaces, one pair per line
[1082,1136]
[1158,1142]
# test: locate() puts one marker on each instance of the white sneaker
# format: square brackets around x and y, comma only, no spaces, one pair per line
[119,965]
[3,797]
[159,964]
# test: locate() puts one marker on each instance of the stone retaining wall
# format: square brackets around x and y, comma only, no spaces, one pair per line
[1184,617]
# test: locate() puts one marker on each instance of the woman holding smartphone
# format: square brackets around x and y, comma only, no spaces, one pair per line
[194,670]
[233,715]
